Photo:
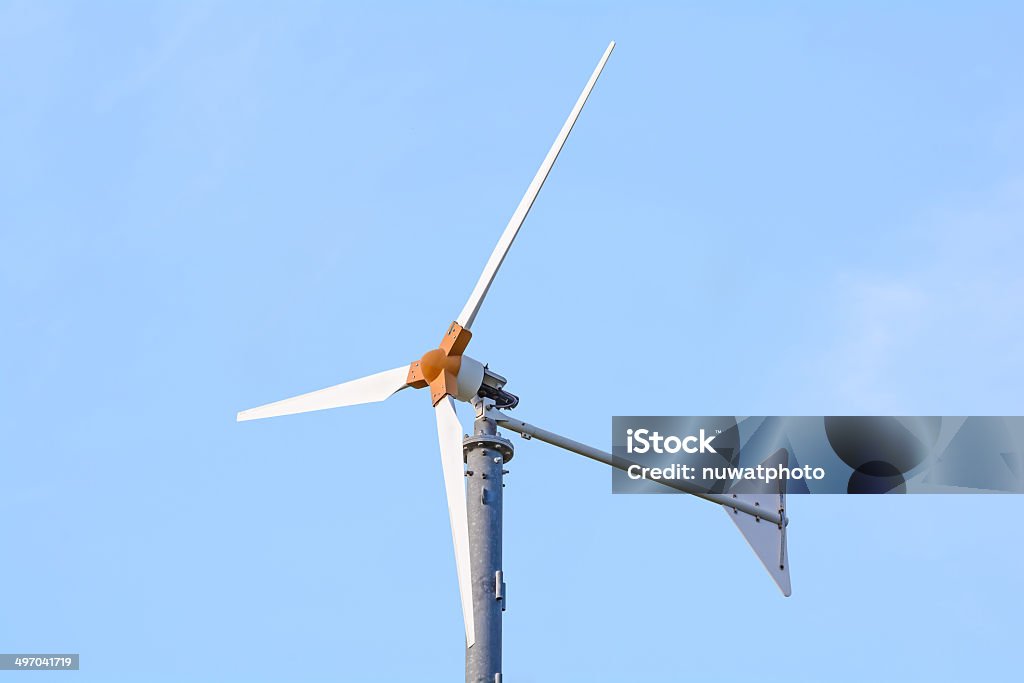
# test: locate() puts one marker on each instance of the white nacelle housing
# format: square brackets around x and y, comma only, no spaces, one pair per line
[471,376]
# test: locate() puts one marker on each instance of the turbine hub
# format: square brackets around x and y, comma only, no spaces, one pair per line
[443,370]
[435,362]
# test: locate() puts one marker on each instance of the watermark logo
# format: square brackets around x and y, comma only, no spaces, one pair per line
[646,441]
[818,454]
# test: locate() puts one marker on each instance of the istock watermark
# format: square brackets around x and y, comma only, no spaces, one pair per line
[646,440]
[827,454]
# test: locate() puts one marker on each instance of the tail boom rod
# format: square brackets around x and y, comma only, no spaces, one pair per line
[565,443]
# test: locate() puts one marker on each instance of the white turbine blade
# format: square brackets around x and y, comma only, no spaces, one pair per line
[363,390]
[449,435]
[472,307]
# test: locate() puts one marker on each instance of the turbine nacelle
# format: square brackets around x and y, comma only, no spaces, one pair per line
[449,372]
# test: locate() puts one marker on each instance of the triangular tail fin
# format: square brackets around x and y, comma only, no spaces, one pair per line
[767,540]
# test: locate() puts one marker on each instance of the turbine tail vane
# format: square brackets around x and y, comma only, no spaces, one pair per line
[767,540]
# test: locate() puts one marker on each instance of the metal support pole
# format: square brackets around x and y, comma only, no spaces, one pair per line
[486,454]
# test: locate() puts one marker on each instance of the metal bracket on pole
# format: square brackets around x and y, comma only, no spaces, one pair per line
[481,405]
[499,588]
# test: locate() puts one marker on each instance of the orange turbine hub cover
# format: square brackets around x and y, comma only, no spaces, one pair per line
[434,362]
[439,368]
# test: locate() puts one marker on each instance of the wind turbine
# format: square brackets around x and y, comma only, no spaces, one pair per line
[473,466]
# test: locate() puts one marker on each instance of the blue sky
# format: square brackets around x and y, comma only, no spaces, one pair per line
[793,209]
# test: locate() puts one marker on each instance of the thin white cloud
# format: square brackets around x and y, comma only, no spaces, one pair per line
[950,313]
